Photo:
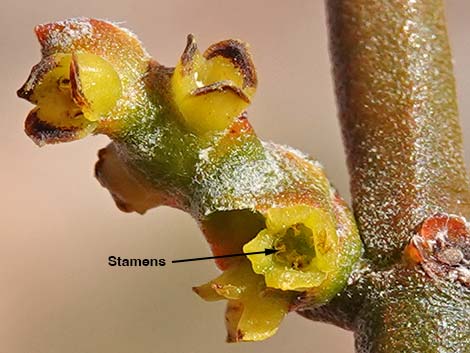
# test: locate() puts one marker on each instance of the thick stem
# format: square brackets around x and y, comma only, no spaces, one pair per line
[396,96]
[397,107]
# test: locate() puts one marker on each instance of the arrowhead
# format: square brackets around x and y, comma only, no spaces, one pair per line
[270,251]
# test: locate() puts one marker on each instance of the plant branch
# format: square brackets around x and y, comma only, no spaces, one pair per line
[398,112]
[181,139]
[397,102]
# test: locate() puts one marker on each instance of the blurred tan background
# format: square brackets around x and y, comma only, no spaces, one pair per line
[58,225]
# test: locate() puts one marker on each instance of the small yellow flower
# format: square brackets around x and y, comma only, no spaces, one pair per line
[87,66]
[78,90]
[305,238]
[213,88]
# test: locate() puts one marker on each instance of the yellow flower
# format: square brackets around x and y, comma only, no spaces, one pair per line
[212,89]
[305,238]
[87,67]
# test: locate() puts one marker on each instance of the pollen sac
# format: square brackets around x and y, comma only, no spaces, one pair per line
[306,243]
[212,89]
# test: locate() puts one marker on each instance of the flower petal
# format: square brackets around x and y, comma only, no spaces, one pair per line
[254,312]
[42,132]
[95,84]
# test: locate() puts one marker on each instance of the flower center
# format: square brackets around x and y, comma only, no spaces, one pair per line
[296,247]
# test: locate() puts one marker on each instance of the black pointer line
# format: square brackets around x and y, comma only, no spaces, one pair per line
[266,252]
